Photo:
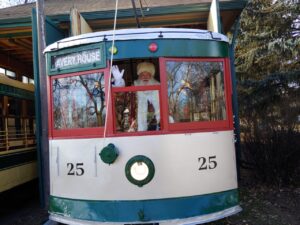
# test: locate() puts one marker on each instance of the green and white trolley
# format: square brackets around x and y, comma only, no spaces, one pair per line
[122,153]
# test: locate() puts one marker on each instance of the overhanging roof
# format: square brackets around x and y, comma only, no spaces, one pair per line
[15,22]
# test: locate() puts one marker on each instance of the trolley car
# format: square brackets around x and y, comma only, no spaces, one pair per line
[18,162]
[124,150]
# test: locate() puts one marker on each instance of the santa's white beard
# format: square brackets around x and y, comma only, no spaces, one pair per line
[145,82]
[143,97]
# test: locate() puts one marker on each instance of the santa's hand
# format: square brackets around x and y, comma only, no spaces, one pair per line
[117,74]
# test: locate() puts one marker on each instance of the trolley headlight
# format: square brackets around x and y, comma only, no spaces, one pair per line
[139,170]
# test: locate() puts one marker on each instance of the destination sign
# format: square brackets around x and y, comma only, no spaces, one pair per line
[76,59]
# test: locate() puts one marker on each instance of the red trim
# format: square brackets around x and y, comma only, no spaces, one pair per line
[108,102]
[135,88]
[228,92]
[131,89]
[49,99]
[75,132]
[207,125]
[166,127]
[164,95]
[144,133]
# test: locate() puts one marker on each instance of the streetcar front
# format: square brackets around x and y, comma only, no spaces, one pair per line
[141,128]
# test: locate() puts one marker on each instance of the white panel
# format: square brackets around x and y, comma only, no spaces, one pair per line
[15,176]
[175,157]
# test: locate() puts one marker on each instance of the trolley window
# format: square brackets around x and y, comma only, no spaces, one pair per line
[78,101]
[137,103]
[196,93]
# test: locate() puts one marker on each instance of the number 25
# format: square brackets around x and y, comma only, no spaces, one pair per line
[78,171]
[211,164]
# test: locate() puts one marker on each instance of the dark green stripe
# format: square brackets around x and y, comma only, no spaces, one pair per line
[80,67]
[18,158]
[139,49]
[15,23]
[15,92]
[170,48]
[145,210]
[18,34]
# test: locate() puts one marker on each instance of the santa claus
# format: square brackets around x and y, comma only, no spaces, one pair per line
[148,116]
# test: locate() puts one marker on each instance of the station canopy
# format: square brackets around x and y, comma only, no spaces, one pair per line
[16,22]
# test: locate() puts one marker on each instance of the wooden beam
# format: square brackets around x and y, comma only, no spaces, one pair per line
[15,65]
[154,21]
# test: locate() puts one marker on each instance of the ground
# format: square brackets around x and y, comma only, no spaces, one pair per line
[266,206]
[20,206]
[262,205]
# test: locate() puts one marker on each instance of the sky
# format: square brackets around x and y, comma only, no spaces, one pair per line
[8,3]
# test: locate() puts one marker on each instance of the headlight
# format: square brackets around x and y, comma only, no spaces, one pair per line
[139,170]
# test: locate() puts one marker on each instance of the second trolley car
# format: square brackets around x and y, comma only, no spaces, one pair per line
[141,128]
[18,155]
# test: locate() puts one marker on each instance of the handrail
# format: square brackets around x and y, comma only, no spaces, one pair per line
[12,138]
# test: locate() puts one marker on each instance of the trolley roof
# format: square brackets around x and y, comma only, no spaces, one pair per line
[136,34]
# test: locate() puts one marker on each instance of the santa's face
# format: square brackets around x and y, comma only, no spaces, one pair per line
[145,77]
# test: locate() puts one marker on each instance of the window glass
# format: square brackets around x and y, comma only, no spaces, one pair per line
[25,79]
[30,108]
[137,111]
[10,73]
[128,71]
[14,119]
[14,106]
[2,70]
[79,101]
[136,105]
[195,91]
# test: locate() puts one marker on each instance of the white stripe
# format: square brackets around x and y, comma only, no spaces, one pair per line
[136,34]
[176,161]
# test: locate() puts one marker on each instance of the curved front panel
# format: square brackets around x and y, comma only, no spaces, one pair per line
[193,174]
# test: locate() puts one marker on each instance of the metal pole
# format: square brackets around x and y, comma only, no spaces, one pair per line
[135,14]
[43,101]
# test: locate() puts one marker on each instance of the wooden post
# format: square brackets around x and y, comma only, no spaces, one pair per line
[44,151]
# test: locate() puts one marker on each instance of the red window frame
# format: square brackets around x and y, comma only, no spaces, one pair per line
[201,125]
[165,126]
[75,132]
[135,89]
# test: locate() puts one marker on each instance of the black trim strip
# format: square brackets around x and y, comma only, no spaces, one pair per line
[17,158]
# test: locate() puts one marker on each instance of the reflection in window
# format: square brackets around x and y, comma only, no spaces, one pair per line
[195,91]
[79,101]
[136,111]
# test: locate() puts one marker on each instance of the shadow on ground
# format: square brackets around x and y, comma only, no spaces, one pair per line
[21,206]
